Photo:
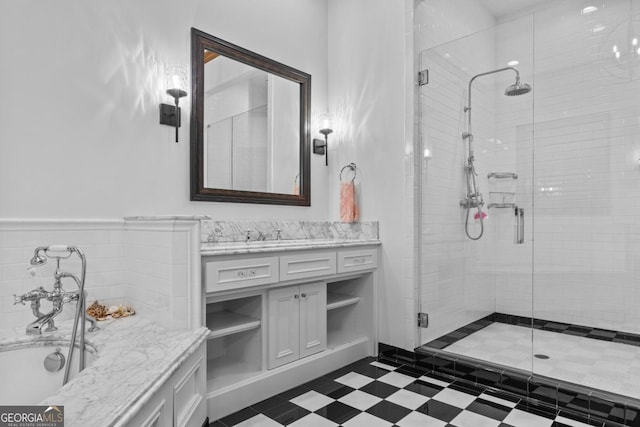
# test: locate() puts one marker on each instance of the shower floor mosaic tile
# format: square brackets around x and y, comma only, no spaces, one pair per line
[604,365]
[372,393]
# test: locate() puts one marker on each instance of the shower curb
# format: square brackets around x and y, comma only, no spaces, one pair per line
[600,334]
[592,406]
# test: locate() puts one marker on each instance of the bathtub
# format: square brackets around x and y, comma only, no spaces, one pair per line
[128,360]
[25,381]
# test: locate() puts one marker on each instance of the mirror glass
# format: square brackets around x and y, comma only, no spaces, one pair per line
[249,126]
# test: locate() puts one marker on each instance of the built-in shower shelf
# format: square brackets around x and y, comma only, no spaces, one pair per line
[502,175]
[502,205]
[502,199]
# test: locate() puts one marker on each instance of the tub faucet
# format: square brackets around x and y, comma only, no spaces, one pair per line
[36,326]
[58,297]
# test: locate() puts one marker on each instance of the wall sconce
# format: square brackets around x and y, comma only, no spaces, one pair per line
[319,146]
[176,83]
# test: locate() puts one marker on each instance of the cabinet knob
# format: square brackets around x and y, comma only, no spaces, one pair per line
[296,296]
[303,295]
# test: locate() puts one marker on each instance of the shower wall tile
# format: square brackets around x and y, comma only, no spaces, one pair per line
[578,173]
[576,155]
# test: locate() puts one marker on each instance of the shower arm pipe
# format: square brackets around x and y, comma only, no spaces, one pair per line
[499,70]
[467,109]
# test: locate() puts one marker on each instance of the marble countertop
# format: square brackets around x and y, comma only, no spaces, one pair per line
[266,246]
[134,358]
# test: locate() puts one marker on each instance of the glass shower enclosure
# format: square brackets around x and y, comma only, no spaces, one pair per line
[535,264]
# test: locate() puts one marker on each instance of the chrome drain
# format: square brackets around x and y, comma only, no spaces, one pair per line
[541,356]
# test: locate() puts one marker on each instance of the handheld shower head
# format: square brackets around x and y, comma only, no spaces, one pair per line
[38,259]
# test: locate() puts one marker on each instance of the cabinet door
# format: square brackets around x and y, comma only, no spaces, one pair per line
[313,318]
[284,327]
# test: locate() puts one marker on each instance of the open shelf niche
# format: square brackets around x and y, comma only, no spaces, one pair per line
[234,346]
[349,314]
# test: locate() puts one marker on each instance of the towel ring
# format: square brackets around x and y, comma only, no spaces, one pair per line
[351,166]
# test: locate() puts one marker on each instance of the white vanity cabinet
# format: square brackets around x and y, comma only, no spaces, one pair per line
[297,322]
[282,317]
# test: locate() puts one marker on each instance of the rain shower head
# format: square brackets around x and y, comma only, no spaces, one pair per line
[517,88]
[514,90]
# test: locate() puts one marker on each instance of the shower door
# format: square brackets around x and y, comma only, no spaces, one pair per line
[476,271]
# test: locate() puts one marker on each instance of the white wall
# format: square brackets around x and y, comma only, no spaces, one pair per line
[83,79]
[367,65]
[81,139]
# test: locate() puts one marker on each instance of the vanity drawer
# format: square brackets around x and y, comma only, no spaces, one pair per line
[238,273]
[305,265]
[357,260]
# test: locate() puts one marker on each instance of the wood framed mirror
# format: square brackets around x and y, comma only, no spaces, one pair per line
[250,140]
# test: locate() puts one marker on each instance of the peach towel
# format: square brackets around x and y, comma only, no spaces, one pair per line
[348,206]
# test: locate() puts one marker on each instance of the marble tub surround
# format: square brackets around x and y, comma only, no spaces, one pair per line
[230,231]
[134,358]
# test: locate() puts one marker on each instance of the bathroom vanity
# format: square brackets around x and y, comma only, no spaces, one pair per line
[283,312]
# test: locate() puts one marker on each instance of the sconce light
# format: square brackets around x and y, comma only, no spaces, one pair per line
[319,146]
[176,83]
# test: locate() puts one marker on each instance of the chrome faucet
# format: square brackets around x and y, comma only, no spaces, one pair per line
[35,296]
[58,297]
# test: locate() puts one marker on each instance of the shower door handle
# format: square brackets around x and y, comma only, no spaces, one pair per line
[519,226]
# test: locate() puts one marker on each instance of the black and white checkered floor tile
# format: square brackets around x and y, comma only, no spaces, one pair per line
[369,393]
